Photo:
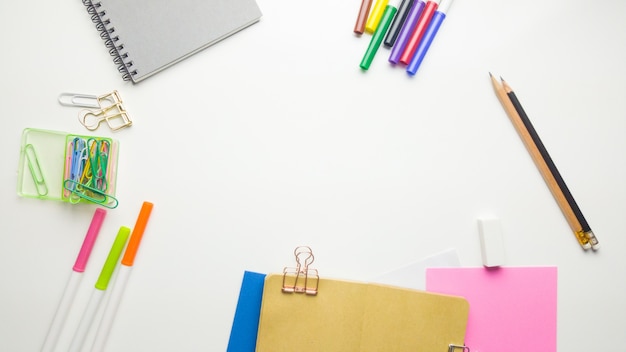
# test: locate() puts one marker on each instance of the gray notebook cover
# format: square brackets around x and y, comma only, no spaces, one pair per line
[147,36]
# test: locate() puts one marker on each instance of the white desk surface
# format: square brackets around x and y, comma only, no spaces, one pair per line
[275,138]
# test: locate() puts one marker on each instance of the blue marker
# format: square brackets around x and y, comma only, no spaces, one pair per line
[429,35]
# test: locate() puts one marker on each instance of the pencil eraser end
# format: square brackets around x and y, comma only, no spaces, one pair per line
[593,241]
[491,242]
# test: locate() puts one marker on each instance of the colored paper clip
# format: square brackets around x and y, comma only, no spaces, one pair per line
[109,108]
[87,170]
[78,159]
[35,170]
[453,348]
[80,191]
[94,173]
[293,277]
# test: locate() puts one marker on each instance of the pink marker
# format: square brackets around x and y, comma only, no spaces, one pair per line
[72,285]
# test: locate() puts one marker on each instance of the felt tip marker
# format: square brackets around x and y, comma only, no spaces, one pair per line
[405,32]
[418,32]
[74,281]
[101,285]
[398,21]
[122,278]
[364,11]
[377,38]
[429,35]
[375,15]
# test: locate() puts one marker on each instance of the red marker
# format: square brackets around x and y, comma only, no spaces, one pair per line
[418,32]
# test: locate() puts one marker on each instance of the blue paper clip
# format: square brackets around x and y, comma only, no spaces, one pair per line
[87,173]
[78,160]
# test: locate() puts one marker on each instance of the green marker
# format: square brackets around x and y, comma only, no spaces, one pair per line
[101,285]
[378,36]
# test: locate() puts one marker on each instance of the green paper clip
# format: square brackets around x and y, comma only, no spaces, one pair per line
[35,170]
[81,191]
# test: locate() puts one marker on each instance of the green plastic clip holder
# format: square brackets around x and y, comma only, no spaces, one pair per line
[49,169]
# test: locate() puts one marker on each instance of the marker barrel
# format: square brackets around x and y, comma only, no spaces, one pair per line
[405,32]
[64,306]
[398,21]
[364,11]
[111,308]
[414,40]
[378,36]
[429,35]
[86,321]
[375,16]
[90,240]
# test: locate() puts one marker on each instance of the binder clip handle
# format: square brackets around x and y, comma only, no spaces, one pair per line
[293,277]
[453,348]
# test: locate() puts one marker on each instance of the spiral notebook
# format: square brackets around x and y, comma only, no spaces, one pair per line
[147,36]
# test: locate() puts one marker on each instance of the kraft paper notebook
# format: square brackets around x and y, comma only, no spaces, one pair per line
[342,315]
[147,36]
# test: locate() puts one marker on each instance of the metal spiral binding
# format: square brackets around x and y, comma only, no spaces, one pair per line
[107,33]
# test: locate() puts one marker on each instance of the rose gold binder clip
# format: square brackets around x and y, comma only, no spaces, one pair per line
[108,107]
[301,279]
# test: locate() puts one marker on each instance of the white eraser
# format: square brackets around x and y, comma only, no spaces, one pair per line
[491,242]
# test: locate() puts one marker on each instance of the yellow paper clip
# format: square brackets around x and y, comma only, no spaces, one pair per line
[301,279]
[87,170]
[109,108]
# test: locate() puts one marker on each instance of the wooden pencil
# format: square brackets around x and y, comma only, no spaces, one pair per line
[539,161]
[593,241]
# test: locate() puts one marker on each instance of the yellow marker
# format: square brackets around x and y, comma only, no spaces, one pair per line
[375,15]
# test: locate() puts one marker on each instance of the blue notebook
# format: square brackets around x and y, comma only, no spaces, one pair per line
[246,322]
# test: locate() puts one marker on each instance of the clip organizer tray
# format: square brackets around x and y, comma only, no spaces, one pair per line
[68,167]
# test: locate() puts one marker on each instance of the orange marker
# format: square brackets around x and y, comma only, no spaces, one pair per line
[122,277]
[135,238]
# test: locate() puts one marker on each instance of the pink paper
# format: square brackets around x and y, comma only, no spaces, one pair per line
[512,309]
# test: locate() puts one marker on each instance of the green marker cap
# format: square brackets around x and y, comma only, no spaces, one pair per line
[113,258]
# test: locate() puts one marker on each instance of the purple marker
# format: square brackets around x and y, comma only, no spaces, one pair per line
[406,30]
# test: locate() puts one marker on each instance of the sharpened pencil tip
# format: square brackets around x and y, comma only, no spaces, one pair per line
[490,75]
[502,79]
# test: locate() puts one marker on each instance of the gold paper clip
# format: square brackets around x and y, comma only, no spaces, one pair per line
[293,277]
[109,108]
